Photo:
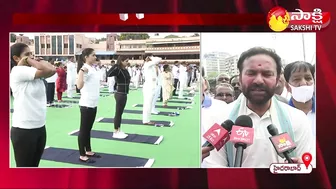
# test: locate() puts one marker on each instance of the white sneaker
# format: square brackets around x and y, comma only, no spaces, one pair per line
[155,112]
[119,135]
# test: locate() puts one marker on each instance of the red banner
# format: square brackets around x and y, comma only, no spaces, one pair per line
[149,19]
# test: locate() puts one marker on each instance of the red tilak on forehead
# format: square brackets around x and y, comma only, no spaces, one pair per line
[259,64]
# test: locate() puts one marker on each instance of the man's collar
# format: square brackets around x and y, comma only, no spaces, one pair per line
[313,103]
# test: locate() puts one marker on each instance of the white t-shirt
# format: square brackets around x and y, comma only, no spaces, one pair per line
[30,100]
[91,88]
[175,72]
[52,79]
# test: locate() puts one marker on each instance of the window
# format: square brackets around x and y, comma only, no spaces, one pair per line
[71,44]
[53,44]
[66,45]
[37,45]
[59,44]
[48,46]
[42,46]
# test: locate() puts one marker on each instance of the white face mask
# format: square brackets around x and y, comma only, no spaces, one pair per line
[302,93]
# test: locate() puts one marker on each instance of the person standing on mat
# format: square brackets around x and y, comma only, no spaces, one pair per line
[89,85]
[183,76]
[157,91]
[149,87]
[111,80]
[71,77]
[123,81]
[51,86]
[167,84]
[176,76]
[61,84]
[28,133]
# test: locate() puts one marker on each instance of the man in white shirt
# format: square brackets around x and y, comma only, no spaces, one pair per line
[149,87]
[71,77]
[157,90]
[301,84]
[183,77]
[259,73]
[175,72]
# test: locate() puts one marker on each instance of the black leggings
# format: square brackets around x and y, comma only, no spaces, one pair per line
[50,92]
[88,115]
[121,100]
[28,145]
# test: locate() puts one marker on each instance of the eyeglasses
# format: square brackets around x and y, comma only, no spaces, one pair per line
[224,94]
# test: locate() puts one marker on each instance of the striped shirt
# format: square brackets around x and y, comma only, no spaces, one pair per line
[123,78]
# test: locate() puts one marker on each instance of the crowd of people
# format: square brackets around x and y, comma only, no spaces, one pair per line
[268,93]
[33,83]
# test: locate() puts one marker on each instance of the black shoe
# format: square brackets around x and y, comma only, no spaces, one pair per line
[87,161]
[94,155]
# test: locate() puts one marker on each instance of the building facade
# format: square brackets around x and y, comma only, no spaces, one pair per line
[63,46]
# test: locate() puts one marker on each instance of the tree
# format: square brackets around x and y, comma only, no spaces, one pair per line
[12,38]
[133,36]
[196,35]
[172,36]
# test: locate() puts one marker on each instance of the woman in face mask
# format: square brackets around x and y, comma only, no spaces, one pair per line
[300,80]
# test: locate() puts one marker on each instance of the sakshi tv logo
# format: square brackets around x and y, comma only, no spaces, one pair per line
[279,19]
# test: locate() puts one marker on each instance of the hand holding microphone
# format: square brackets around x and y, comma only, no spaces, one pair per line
[282,143]
[242,135]
[224,129]
[216,137]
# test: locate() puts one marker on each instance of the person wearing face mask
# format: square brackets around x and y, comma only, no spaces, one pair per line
[300,80]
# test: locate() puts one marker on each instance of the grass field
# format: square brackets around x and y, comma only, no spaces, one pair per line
[179,148]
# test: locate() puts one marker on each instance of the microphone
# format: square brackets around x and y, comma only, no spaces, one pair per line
[282,143]
[218,135]
[242,135]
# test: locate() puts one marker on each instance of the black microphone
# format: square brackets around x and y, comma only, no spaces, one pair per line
[282,143]
[227,125]
[242,136]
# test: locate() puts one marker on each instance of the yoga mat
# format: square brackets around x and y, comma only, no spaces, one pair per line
[168,107]
[135,122]
[178,102]
[107,160]
[71,101]
[59,106]
[140,112]
[75,97]
[185,98]
[136,138]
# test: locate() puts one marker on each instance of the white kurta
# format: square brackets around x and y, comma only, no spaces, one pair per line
[183,76]
[261,154]
[71,78]
[157,91]
[149,87]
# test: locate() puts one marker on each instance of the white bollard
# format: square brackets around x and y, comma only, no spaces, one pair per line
[123,17]
[140,16]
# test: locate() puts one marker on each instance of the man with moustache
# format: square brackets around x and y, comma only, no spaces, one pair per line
[260,70]
[234,81]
